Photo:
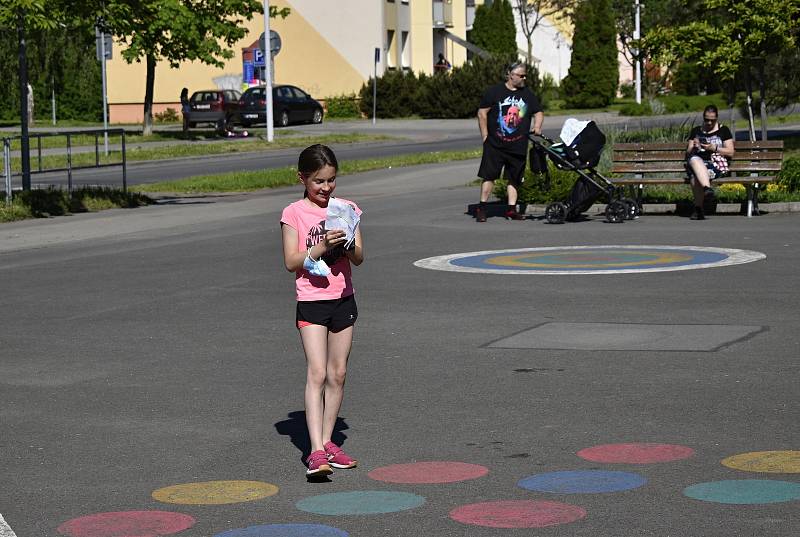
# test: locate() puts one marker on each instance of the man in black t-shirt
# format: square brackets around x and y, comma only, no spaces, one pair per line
[506,114]
[710,145]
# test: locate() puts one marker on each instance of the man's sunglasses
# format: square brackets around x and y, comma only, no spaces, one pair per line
[519,75]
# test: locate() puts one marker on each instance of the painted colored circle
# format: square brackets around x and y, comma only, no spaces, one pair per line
[744,491]
[215,492]
[126,524]
[285,530]
[360,502]
[582,482]
[772,462]
[428,472]
[517,514]
[614,259]
[636,453]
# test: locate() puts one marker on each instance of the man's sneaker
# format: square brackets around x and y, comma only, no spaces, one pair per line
[512,214]
[318,464]
[480,214]
[698,214]
[338,458]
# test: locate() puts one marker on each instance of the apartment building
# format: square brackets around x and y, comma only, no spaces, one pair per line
[327,49]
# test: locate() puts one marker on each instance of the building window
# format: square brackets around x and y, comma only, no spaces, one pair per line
[405,50]
[391,50]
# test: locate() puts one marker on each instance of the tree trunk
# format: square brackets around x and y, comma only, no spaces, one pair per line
[147,126]
[762,92]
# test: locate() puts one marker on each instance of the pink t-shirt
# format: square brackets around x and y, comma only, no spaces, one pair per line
[309,221]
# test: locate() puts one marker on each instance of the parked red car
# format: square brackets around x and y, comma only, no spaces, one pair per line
[218,107]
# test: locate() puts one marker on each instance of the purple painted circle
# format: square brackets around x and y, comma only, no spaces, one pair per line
[428,472]
[285,530]
[517,514]
[635,453]
[582,482]
[127,524]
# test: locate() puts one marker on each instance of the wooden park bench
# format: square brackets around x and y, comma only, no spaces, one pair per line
[754,164]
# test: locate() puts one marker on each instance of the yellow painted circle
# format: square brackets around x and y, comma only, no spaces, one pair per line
[773,462]
[215,492]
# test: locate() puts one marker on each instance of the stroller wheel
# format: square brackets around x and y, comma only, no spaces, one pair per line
[556,213]
[616,212]
[630,208]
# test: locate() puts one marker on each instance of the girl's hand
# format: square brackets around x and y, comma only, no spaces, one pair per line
[708,147]
[334,238]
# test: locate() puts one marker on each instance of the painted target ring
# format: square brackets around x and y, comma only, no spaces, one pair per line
[615,259]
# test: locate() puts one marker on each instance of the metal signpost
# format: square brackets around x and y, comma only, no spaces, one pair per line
[103,53]
[375,83]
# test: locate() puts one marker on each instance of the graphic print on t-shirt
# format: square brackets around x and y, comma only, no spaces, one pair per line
[317,234]
[511,110]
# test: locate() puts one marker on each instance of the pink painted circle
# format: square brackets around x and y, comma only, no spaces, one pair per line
[636,453]
[517,514]
[428,472]
[127,523]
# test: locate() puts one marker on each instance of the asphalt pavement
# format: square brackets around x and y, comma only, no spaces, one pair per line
[151,379]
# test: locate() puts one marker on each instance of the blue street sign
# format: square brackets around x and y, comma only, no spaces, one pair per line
[258,57]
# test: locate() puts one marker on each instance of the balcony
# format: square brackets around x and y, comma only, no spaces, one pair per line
[442,13]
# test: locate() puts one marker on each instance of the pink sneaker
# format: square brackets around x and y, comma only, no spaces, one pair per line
[338,458]
[318,464]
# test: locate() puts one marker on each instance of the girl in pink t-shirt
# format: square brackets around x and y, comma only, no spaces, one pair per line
[326,307]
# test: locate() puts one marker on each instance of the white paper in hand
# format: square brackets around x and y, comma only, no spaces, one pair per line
[342,216]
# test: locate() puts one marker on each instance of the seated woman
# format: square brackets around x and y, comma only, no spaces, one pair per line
[710,147]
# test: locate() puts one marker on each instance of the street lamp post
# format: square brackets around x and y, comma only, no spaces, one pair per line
[268,73]
[25,149]
[638,60]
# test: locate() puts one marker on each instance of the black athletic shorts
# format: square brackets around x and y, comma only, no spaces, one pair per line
[495,159]
[337,314]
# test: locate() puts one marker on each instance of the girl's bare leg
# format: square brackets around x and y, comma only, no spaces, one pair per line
[315,344]
[339,344]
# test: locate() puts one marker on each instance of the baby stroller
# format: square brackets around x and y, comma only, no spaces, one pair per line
[580,149]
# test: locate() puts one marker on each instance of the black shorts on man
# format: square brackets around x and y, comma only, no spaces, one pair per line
[494,160]
[336,314]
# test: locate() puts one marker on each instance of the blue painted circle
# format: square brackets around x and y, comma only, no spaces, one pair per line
[360,502]
[744,491]
[582,482]
[285,530]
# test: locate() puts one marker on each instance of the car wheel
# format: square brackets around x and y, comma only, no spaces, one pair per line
[283,120]
[317,116]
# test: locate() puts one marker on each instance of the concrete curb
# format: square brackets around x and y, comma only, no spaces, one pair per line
[674,208]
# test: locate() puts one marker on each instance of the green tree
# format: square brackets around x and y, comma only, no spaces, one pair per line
[494,30]
[176,31]
[531,13]
[727,36]
[594,69]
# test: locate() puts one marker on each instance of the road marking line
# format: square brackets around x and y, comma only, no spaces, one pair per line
[5,529]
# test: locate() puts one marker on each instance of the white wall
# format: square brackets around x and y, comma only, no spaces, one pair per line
[550,46]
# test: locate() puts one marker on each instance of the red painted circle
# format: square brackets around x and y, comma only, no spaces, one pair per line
[636,453]
[517,514]
[127,524]
[428,472]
